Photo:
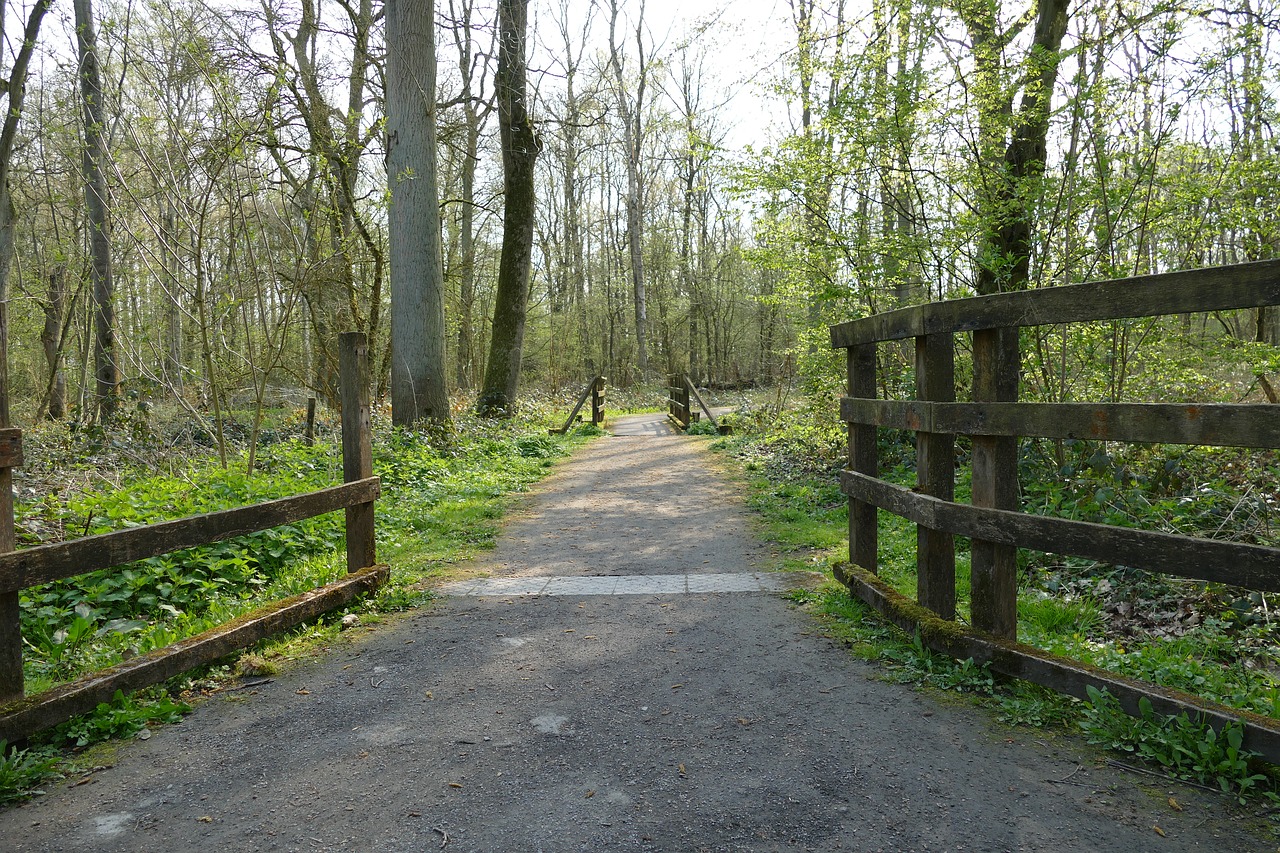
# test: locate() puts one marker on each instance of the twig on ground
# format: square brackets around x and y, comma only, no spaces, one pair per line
[1165,776]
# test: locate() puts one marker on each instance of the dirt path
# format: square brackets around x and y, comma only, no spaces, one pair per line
[603,714]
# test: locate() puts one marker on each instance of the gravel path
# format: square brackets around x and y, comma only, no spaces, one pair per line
[596,721]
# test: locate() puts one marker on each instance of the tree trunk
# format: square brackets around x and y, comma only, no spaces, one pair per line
[630,113]
[51,338]
[107,375]
[1006,255]
[418,389]
[520,148]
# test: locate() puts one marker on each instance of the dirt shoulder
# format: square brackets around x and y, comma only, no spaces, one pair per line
[689,721]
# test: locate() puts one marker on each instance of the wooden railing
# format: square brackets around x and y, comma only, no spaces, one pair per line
[595,392]
[679,389]
[678,400]
[33,566]
[995,420]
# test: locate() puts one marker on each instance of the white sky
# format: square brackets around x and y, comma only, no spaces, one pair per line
[744,45]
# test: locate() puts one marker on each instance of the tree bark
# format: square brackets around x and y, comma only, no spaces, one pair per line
[418,389]
[1005,258]
[520,148]
[51,340]
[106,373]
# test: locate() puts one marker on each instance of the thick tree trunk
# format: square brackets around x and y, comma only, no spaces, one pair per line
[106,373]
[418,389]
[520,148]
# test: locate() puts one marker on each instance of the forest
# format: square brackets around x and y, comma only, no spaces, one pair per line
[197,197]
[241,158]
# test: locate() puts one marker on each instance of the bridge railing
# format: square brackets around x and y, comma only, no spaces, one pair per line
[595,392]
[28,567]
[995,420]
[680,391]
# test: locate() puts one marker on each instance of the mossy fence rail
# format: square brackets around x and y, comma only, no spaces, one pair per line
[19,716]
[993,520]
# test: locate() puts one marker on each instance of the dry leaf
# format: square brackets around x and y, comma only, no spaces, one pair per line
[205,818]
[590,794]
[303,692]
[570,630]
[681,768]
[1175,805]
[1159,831]
[676,686]
[455,784]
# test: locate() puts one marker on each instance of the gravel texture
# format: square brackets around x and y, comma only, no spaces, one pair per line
[671,722]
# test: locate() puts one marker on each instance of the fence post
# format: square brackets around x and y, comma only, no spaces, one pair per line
[935,475]
[994,579]
[357,444]
[686,410]
[597,401]
[309,435]
[11,686]
[864,518]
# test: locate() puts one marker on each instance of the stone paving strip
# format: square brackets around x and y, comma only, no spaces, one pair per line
[623,584]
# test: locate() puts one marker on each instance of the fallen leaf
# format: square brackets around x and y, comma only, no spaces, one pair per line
[455,784]
[676,686]
[303,692]
[1175,805]
[205,818]
[681,769]
[589,637]
[1159,831]
[570,630]
[590,794]
[428,695]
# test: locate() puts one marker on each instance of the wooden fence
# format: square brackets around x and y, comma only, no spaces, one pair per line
[595,392]
[994,420]
[21,716]
[679,389]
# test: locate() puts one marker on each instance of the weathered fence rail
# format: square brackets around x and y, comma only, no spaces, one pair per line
[21,716]
[995,420]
